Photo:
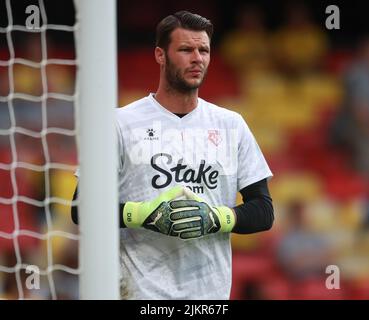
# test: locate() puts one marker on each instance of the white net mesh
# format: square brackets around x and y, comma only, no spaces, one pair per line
[37,151]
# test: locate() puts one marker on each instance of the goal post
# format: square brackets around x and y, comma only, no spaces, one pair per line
[51,97]
[98,183]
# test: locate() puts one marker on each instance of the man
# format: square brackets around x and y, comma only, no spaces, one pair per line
[175,248]
[350,128]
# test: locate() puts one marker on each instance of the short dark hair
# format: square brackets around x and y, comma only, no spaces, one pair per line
[181,19]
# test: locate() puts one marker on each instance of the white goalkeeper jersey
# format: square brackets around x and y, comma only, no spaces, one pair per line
[211,151]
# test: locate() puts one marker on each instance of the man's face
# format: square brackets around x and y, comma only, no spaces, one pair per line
[187,59]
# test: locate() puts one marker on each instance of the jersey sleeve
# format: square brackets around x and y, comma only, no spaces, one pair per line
[252,166]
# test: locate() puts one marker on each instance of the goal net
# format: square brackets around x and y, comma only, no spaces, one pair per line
[51,122]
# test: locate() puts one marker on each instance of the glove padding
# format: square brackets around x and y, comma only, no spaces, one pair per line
[196,218]
[154,214]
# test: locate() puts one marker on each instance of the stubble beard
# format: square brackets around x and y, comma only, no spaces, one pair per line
[175,80]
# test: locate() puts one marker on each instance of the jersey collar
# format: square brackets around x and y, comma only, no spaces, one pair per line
[170,114]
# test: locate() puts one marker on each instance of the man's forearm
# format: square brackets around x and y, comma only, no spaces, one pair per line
[254,216]
[256,213]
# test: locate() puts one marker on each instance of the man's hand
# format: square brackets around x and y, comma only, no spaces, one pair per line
[196,218]
[186,219]
[154,214]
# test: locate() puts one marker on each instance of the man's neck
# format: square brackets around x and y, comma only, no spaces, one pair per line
[177,102]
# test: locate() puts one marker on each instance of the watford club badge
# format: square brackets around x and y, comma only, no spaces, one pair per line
[214,137]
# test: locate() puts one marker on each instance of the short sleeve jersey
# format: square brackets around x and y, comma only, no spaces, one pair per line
[209,150]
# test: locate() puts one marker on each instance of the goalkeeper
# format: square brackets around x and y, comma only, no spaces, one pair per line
[175,243]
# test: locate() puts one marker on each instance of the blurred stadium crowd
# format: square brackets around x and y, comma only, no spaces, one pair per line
[304,96]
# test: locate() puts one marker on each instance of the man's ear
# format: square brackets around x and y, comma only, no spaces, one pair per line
[159,55]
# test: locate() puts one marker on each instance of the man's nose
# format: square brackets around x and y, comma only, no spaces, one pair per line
[196,56]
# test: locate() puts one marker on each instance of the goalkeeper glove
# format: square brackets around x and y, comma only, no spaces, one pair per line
[195,218]
[153,215]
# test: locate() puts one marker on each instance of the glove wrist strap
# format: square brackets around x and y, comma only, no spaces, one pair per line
[226,218]
[131,215]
